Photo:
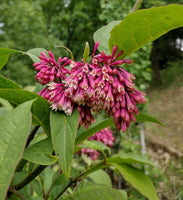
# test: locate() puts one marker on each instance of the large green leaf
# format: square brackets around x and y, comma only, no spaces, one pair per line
[97,192]
[4,55]
[40,108]
[35,53]
[40,153]
[103,34]
[63,133]
[13,135]
[84,133]
[144,26]
[138,179]
[6,83]
[147,118]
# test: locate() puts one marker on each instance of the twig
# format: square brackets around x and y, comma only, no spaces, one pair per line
[32,134]
[22,162]
[46,196]
[136,6]
[14,191]
[30,177]
[90,170]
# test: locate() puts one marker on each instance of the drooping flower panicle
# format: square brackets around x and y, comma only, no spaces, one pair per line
[101,84]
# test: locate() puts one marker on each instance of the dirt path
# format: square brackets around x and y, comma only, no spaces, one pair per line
[167,106]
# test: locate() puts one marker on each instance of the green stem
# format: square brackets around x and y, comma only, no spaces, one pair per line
[137,5]
[30,177]
[12,190]
[90,170]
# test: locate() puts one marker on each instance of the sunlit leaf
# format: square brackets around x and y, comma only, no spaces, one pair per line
[13,134]
[63,133]
[138,179]
[40,108]
[144,26]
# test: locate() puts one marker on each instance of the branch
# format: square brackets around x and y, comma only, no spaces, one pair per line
[80,176]
[17,193]
[136,6]
[32,134]
[30,177]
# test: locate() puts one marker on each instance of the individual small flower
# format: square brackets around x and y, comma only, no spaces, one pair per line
[50,70]
[105,136]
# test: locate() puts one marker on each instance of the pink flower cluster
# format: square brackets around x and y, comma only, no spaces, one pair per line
[100,84]
[104,136]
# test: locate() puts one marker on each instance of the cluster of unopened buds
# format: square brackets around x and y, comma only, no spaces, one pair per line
[100,84]
[105,136]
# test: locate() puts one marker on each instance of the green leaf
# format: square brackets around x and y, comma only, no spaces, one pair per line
[146,118]
[4,55]
[6,83]
[86,52]
[124,194]
[103,34]
[40,108]
[138,179]
[40,153]
[13,134]
[84,133]
[128,159]
[97,192]
[35,53]
[101,177]
[96,145]
[144,26]
[63,133]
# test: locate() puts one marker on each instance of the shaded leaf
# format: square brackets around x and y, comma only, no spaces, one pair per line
[103,34]
[144,26]
[13,134]
[40,108]
[97,192]
[96,145]
[101,177]
[95,127]
[63,133]
[40,153]
[7,83]
[35,53]
[4,55]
